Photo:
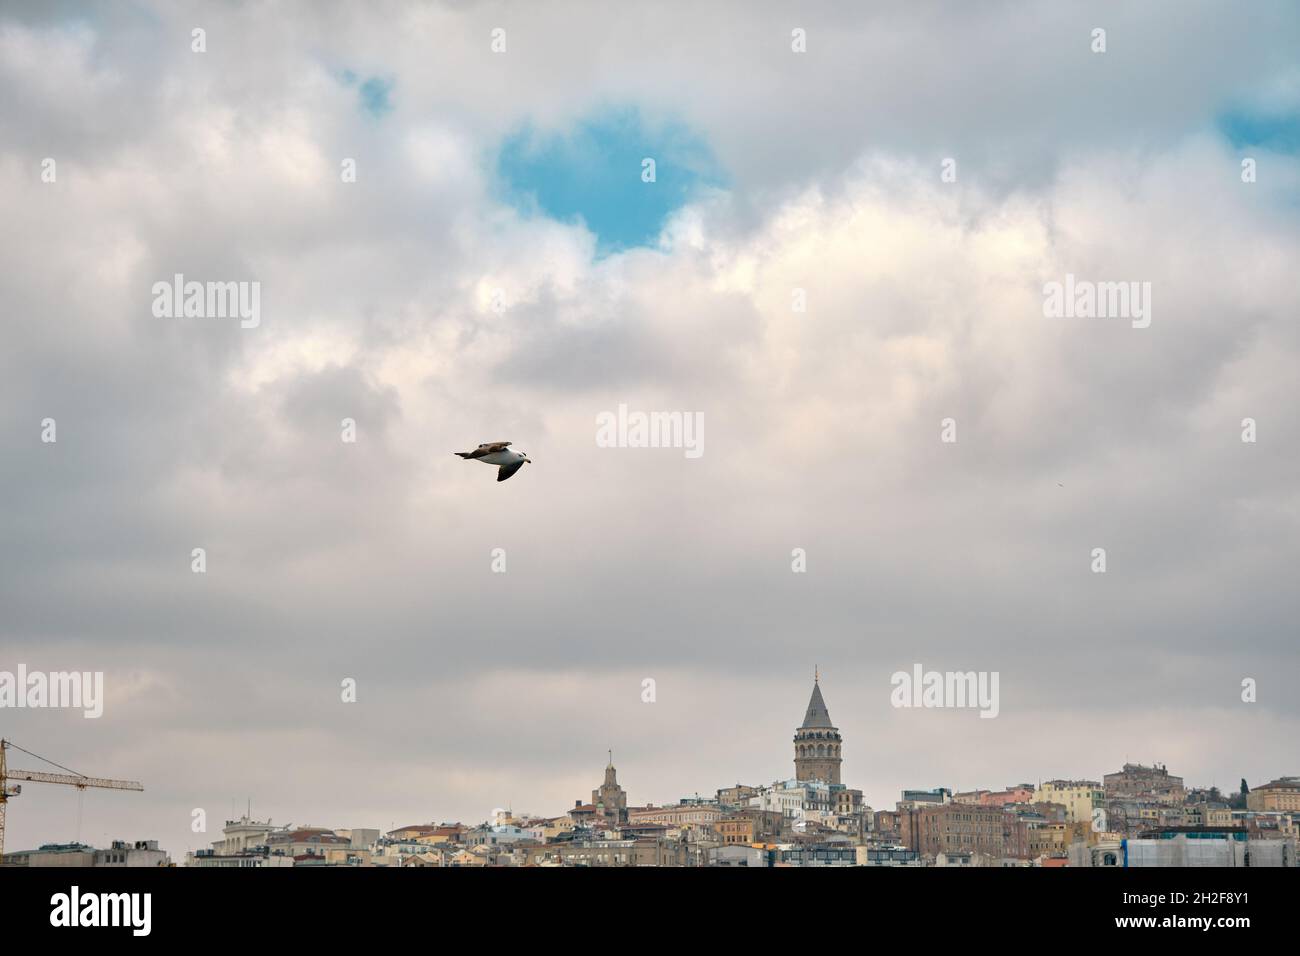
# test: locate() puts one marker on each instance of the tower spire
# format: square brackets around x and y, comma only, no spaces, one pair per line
[816,715]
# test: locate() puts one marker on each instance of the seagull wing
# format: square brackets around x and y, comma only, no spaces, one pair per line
[505,471]
[486,448]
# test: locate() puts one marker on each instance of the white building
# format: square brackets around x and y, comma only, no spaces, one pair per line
[242,835]
[119,853]
[503,835]
[797,799]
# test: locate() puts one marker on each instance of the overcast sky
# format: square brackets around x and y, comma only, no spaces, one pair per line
[500,271]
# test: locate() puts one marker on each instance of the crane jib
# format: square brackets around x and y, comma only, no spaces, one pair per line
[80,781]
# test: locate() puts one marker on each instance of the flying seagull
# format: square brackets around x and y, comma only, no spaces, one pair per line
[498,453]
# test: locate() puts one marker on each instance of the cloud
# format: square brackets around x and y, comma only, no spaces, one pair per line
[424,305]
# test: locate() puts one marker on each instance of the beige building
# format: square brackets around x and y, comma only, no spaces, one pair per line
[605,853]
[317,845]
[478,856]
[1022,793]
[453,833]
[1153,783]
[431,833]
[1079,797]
[1281,794]
[680,815]
[1047,839]
[548,828]
[749,826]
[1214,815]
[848,802]
[736,796]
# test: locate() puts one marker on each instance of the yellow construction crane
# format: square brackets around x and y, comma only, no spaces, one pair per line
[72,779]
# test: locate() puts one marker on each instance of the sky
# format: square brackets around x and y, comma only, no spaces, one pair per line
[500,269]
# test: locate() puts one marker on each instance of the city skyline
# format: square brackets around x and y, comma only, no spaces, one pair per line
[611,803]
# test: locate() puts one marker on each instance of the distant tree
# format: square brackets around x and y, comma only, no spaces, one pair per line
[1238,801]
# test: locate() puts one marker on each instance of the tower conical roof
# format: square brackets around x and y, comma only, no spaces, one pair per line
[817,715]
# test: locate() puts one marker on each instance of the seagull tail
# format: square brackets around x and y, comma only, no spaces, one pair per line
[465,454]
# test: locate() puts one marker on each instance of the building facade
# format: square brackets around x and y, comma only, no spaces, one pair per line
[963,828]
[749,826]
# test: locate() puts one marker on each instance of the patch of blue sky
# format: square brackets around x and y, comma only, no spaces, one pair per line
[1275,131]
[374,92]
[592,172]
